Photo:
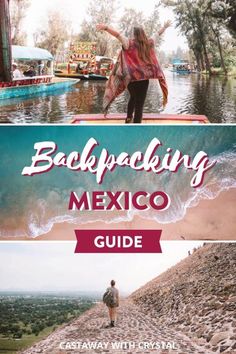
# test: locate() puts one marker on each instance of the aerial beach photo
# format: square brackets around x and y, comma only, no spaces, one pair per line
[174,302]
[56,179]
[206,221]
[61,62]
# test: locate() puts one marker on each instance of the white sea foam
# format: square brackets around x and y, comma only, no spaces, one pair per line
[221,178]
[35,231]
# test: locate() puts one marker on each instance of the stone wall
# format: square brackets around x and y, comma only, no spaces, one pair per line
[197,297]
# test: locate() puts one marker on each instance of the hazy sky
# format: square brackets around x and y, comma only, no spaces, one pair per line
[48,266]
[75,11]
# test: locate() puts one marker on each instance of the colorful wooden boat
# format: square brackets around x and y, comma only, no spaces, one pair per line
[43,82]
[182,67]
[31,86]
[85,66]
[151,118]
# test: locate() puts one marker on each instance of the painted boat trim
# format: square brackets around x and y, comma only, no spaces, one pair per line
[201,119]
[27,90]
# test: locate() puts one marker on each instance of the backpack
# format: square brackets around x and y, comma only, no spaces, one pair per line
[109,299]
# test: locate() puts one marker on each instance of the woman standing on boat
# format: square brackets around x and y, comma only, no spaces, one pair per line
[136,64]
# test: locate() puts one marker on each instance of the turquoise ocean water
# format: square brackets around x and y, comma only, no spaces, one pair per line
[30,206]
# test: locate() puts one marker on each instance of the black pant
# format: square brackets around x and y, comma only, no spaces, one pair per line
[138,93]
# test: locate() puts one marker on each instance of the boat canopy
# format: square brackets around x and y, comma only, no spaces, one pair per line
[30,53]
[179,62]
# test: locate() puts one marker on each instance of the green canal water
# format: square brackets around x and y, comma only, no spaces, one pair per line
[188,94]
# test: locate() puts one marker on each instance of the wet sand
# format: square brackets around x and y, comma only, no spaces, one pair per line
[209,220]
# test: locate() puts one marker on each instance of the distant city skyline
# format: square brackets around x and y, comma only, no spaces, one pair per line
[47,266]
[76,11]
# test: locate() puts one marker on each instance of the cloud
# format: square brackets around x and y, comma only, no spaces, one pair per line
[53,266]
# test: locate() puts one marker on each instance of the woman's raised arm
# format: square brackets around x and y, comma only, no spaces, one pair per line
[114,33]
[166,25]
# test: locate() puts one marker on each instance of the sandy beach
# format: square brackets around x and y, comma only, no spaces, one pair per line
[209,220]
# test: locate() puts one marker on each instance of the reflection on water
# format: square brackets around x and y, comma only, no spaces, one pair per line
[190,94]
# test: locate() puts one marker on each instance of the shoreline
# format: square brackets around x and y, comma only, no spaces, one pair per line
[211,219]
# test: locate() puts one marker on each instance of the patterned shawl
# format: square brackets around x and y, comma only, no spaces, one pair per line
[129,67]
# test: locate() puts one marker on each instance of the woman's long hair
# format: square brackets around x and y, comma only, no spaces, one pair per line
[143,43]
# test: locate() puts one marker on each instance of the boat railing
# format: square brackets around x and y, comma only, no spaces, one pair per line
[34,80]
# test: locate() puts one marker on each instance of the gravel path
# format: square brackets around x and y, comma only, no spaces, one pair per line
[132,329]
